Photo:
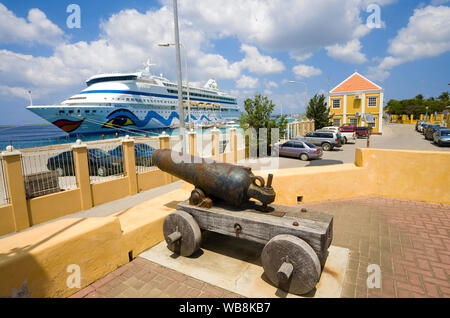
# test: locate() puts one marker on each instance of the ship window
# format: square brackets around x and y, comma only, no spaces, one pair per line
[70,111]
[86,111]
[61,112]
[94,111]
[111,79]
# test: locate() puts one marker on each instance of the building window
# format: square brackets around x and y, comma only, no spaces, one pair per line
[336,103]
[372,101]
[353,121]
[336,122]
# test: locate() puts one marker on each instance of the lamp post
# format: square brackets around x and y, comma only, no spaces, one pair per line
[306,89]
[187,77]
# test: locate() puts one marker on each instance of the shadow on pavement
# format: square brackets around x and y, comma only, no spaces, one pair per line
[324,162]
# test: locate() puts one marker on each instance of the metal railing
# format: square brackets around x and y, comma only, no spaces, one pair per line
[4,196]
[105,160]
[144,149]
[48,171]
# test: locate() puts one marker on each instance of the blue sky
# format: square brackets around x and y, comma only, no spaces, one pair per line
[253,46]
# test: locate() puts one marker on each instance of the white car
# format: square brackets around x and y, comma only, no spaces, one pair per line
[346,136]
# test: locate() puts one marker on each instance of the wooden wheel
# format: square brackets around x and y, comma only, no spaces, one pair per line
[291,264]
[182,233]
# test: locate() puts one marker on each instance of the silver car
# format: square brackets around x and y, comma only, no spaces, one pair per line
[299,149]
[442,137]
[327,140]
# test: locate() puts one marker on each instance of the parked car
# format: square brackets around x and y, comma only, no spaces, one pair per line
[327,140]
[142,152]
[442,137]
[347,135]
[425,126]
[419,124]
[428,133]
[362,132]
[100,163]
[299,149]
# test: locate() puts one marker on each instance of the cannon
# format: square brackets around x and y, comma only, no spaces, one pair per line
[295,240]
[213,180]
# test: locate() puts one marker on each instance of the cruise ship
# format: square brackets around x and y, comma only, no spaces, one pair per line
[137,102]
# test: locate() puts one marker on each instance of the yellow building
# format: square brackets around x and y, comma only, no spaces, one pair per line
[357,101]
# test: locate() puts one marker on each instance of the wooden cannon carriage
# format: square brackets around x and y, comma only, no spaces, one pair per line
[296,240]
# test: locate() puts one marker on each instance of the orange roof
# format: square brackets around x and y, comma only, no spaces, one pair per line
[355,83]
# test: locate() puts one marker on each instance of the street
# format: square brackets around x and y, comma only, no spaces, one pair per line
[395,136]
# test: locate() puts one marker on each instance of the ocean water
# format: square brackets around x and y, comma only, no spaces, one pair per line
[29,136]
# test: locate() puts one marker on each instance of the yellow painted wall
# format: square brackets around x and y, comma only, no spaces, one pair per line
[373,110]
[400,174]
[412,175]
[6,219]
[353,105]
[109,190]
[320,183]
[151,179]
[52,206]
[41,256]
[337,111]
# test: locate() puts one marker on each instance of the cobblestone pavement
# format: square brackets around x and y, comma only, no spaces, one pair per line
[408,239]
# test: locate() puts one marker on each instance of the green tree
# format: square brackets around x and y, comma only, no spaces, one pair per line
[317,109]
[444,97]
[419,97]
[258,114]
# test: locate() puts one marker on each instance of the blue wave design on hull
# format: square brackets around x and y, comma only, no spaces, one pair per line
[151,115]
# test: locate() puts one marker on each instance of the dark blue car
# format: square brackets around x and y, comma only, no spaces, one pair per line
[100,163]
[142,152]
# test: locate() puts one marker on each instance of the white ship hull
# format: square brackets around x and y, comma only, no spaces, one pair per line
[132,102]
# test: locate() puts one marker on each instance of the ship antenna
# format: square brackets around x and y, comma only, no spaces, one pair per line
[148,65]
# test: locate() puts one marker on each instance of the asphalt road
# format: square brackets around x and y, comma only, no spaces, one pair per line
[395,136]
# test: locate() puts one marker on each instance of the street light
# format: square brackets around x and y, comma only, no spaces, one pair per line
[306,88]
[187,77]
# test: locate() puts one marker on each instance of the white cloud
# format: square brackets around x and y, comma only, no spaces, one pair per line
[271,84]
[304,71]
[426,35]
[301,57]
[37,29]
[349,52]
[128,38]
[299,27]
[294,103]
[259,64]
[247,82]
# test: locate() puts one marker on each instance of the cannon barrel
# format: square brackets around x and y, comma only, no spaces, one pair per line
[230,183]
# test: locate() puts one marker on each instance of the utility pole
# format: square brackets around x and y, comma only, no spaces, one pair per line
[179,80]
